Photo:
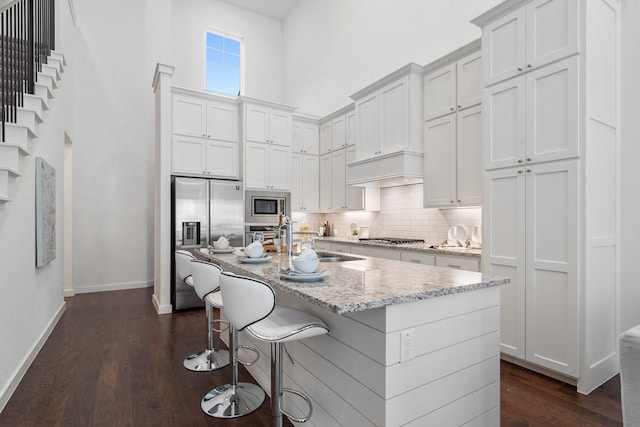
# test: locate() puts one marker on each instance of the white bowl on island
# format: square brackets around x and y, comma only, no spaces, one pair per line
[221,243]
[254,250]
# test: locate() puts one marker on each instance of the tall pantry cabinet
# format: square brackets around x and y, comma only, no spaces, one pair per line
[551,191]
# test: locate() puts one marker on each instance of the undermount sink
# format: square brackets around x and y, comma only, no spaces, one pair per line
[330,257]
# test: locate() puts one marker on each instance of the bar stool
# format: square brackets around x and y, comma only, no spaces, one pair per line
[234,399]
[250,305]
[207,287]
[183,266]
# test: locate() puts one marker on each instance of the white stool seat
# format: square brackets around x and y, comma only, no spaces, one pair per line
[215,298]
[189,281]
[287,324]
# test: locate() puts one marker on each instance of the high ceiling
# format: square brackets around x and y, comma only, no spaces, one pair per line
[275,9]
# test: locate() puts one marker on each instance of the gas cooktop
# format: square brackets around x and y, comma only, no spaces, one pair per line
[390,240]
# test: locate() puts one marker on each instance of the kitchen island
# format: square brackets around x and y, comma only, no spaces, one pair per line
[409,344]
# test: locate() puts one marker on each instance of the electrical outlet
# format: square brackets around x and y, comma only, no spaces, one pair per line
[406,345]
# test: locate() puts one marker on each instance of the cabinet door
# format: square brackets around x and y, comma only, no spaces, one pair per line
[256,123]
[280,127]
[189,116]
[503,46]
[551,260]
[440,162]
[372,251]
[339,133]
[279,167]
[310,138]
[469,81]
[296,182]
[504,130]
[503,251]
[326,137]
[222,159]
[297,144]
[222,121]
[440,92]
[368,127]
[394,109]
[325,182]
[339,179]
[188,155]
[352,128]
[469,159]
[310,183]
[553,103]
[256,170]
[354,196]
[552,31]
[418,258]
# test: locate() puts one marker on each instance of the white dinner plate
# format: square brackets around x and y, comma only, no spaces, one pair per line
[457,233]
[248,260]
[221,251]
[304,277]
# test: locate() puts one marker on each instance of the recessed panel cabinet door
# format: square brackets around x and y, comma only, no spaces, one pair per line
[189,116]
[394,104]
[440,92]
[368,114]
[280,127]
[552,31]
[338,180]
[279,167]
[325,182]
[469,81]
[503,47]
[256,170]
[468,159]
[552,260]
[256,126]
[552,111]
[222,122]
[440,162]
[188,155]
[504,131]
[354,196]
[310,183]
[222,159]
[503,251]
[296,183]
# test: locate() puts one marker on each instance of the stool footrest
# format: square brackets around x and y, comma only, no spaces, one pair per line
[306,399]
[224,322]
[207,360]
[251,362]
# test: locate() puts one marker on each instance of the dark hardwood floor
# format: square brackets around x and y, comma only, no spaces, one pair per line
[112,361]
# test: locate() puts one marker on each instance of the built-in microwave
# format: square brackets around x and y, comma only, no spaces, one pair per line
[266,206]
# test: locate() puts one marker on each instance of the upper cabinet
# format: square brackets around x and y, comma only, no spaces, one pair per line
[541,32]
[455,86]
[267,137]
[306,135]
[205,135]
[389,114]
[271,123]
[338,130]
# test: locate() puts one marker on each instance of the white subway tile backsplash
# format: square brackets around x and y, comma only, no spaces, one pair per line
[401,215]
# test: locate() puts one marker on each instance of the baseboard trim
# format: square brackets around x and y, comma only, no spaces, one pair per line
[161,309]
[111,287]
[539,369]
[30,357]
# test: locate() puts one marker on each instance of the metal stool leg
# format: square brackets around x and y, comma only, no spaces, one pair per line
[234,399]
[212,357]
[277,389]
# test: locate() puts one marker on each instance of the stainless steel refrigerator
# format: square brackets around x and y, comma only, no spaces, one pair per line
[202,210]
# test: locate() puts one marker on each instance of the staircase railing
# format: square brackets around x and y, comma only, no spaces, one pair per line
[27,37]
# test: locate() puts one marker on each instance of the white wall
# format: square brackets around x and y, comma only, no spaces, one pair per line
[32,298]
[262,40]
[333,48]
[630,173]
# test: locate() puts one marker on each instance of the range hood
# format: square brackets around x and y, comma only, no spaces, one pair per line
[387,170]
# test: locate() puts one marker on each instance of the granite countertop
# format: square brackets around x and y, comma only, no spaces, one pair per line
[417,247]
[361,285]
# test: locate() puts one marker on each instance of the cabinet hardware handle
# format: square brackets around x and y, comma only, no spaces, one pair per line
[528,170]
[451,201]
[519,68]
[208,136]
[451,108]
[459,201]
[453,266]
[529,65]
[459,106]
[520,171]
[415,260]
[520,161]
[528,159]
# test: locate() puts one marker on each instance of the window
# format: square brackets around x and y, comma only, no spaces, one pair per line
[223,64]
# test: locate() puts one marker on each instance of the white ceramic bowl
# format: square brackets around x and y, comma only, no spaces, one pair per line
[308,265]
[221,244]
[253,250]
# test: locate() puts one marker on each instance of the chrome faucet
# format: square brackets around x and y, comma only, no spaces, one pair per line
[288,224]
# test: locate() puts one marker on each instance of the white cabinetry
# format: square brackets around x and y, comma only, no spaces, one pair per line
[305,183]
[418,257]
[455,86]
[452,141]
[551,207]
[337,130]
[306,136]
[267,166]
[389,114]
[539,33]
[267,136]
[534,117]
[372,251]
[205,135]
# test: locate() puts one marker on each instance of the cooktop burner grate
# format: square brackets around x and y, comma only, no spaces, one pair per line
[391,240]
